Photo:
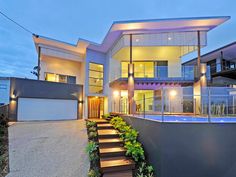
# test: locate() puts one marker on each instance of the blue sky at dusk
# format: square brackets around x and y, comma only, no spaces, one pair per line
[68,20]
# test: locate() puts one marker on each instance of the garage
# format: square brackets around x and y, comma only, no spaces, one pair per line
[30,109]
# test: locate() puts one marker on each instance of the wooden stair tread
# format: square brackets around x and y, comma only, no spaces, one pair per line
[105,125]
[127,173]
[111,150]
[110,140]
[112,166]
[118,162]
[107,132]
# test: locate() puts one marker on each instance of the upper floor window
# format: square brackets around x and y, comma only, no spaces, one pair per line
[96,78]
[161,69]
[52,77]
[141,69]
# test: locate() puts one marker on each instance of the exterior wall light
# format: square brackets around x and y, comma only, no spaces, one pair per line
[173,93]
[13,96]
[80,101]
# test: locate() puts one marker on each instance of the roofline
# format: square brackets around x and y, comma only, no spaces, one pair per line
[216,50]
[131,21]
[169,19]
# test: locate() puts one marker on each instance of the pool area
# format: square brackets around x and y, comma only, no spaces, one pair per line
[189,118]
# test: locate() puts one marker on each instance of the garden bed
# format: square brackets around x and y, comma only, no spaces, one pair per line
[3,146]
[92,149]
[133,148]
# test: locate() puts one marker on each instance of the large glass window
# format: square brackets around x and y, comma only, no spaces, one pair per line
[162,69]
[52,77]
[141,69]
[95,78]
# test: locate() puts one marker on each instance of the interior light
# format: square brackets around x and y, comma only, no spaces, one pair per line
[136,40]
[116,93]
[124,94]
[169,38]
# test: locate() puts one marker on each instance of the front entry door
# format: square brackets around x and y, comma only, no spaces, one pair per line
[94,107]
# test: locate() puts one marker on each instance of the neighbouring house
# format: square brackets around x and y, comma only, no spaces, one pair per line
[136,59]
[4,90]
[222,65]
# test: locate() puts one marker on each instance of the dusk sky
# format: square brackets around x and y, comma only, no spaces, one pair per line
[68,20]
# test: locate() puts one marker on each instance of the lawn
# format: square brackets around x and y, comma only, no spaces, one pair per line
[3,146]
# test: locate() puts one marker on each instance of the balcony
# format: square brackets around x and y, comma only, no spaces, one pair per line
[185,75]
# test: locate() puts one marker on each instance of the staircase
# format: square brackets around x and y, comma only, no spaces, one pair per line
[112,153]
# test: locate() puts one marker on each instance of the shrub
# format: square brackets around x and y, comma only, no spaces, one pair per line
[145,170]
[93,156]
[91,147]
[92,135]
[92,129]
[131,135]
[91,124]
[94,173]
[134,150]
[106,116]
[3,120]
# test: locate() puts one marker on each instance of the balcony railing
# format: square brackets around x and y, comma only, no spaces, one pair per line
[185,73]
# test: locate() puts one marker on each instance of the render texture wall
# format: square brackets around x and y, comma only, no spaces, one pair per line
[62,66]
[188,149]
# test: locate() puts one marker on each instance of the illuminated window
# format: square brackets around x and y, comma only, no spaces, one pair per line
[95,78]
[50,77]
[60,78]
[141,69]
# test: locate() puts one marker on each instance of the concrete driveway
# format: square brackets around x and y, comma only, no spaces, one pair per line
[48,149]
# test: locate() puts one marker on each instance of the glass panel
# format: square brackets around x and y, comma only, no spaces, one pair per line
[95,74]
[124,69]
[162,69]
[96,67]
[95,89]
[71,80]
[95,78]
[141,69]
[50,77]
[138,97]
[62,79]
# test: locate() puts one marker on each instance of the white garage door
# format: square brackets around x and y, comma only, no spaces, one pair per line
[46,109]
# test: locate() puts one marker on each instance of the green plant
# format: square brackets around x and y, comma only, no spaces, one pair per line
[94,173]
[106,115]
[145,170]
[93,156]
[91,147]
[92,129]
[130,135]
[135,150]
[92,135]
[91,124]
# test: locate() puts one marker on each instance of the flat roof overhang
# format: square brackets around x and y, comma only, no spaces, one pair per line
[136,27]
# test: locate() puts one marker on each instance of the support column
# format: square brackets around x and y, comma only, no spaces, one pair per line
[39,56]
[131,80]
[198,54]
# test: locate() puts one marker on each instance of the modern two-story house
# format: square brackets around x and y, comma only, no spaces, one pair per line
[136,59]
